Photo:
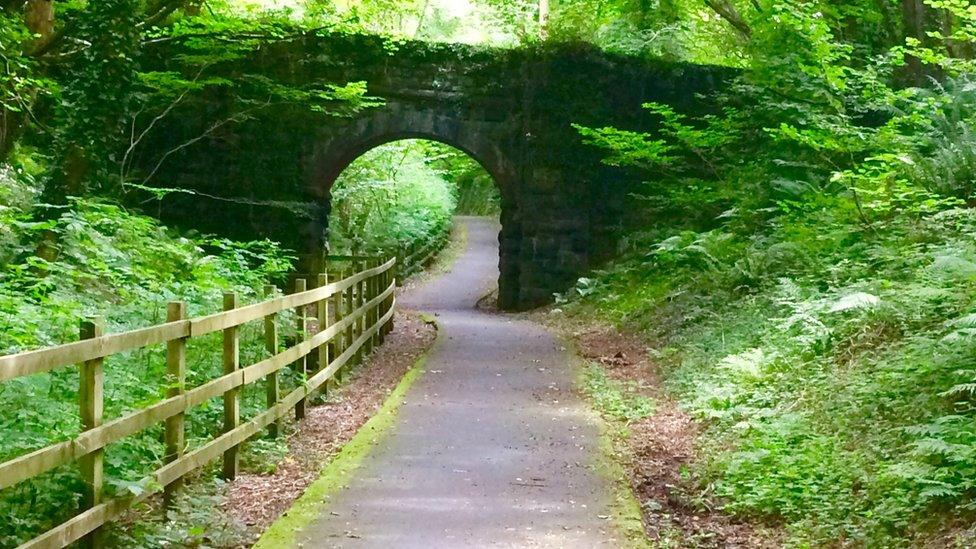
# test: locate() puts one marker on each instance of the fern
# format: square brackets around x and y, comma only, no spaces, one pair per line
[858,300]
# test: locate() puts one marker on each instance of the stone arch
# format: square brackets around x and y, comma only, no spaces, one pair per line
[341,145]
[514,110]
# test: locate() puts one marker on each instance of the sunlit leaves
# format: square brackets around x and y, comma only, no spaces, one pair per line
[854,301]
[627,148]
[389,198]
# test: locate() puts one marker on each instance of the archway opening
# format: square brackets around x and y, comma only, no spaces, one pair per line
[403,196]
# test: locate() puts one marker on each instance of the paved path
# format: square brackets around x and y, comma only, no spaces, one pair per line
[491,449]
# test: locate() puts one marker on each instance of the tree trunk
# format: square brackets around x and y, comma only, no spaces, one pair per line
[889,15]
[912,14]
[959,49]
[917,21]
[9,123]
[39,17]
[727,11]
[421,19]
[543,19]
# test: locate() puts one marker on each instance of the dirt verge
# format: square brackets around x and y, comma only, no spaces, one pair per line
[256,500]
[657,450]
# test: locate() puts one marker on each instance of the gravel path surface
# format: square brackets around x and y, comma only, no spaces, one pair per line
[492,447]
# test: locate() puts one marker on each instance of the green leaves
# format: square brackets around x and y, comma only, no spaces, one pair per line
[615,399]
[392,196]
[854,301]
[627,148]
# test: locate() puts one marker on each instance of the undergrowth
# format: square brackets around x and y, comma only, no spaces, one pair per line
[614,399]
[832,369]
[98,259]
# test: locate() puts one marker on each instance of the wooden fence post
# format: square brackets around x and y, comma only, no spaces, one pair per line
[392,299]
[377,290]
[350,329]
[398,266]
[368,315]
[363,299]
[323,312]
[91,396]
[388,280]
[272,386]
[300,333]
[339,309]
[378,310]
[232,402]
[361,320]
[332,346]
[384,284]
[176,380]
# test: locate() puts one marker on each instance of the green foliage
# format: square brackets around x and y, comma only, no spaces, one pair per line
[628,148]
[668,29]
[190,522]
[476,190]
[477,193]
[614,399]
[18,190]
[452,21]
[389,198]
[806,269]
[124,267]
[20,80]
[96,97]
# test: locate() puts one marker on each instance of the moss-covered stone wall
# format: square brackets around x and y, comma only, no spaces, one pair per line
[512,110]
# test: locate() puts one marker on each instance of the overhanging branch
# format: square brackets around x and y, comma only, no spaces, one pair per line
[727,11]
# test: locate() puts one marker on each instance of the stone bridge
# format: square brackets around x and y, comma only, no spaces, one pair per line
[511,110]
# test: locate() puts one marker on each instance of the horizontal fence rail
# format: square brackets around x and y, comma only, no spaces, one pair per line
[353,314]
[411,258]
[415,257]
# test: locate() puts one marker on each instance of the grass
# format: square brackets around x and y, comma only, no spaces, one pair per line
[286,530]
[624,508]
[614,399]
[616,404]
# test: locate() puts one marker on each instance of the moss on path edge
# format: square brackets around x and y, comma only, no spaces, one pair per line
[625,509]
[307,508]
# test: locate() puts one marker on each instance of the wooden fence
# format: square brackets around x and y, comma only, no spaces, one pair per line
[412,257]
[354,314]
[419,254]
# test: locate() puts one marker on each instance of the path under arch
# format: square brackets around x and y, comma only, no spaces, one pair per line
[492,447]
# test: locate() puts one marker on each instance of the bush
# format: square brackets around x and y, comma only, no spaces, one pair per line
[837,396]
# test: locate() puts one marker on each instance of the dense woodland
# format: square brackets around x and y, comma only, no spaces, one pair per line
[802,266]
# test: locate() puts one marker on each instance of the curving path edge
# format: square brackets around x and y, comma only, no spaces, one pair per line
[492,446]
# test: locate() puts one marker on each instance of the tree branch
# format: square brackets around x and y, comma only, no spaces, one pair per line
[727,11]
[237,117]
[135,140]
